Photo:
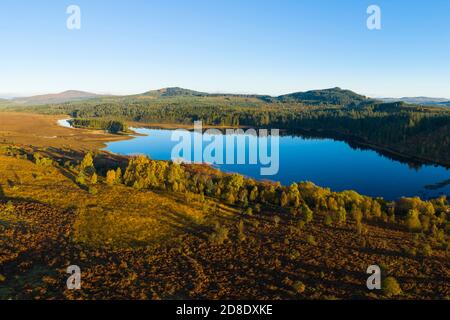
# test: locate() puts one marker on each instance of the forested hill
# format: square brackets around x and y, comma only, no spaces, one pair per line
[412,131]
[174,92]
[334,96]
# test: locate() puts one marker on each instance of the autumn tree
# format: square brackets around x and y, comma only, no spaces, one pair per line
[342,215]
[118,179]
[332,204]
[294,195]
[307,213]
[413,221]
[219,235]
[284,199]
[233,185]
[87,165]
[356,214]
[376,209]
[94,178]
[175,177]
[241,230]
[253,194]
[243,197]
[111,177]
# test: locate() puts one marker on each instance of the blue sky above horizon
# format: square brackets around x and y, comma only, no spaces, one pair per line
[240,46]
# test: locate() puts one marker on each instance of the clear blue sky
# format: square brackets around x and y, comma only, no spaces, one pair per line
[257,46]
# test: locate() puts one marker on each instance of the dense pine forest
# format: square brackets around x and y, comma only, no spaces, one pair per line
[112,126]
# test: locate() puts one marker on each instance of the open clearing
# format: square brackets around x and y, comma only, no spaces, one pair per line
[43,131]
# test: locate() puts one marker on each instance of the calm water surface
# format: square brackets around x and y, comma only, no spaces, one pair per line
[326,162]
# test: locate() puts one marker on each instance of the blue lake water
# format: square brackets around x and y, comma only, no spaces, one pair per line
[326,162]
[64,123]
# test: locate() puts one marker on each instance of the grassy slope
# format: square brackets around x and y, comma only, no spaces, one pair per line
[143,245]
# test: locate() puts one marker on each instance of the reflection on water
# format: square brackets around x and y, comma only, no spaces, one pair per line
[439,185]
[326,162]
[64,123]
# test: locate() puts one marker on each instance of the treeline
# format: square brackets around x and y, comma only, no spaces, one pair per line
[303,200]
[112,126]
[412,131]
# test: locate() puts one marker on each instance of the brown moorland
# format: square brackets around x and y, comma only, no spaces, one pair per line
[43,131]
[158,244]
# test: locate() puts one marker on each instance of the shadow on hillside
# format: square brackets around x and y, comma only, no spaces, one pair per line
[22,200]
[102,163]
[69,175]
[66,173]
[2,194]
[186,224]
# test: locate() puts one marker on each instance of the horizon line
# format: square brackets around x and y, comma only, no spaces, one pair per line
[12,96]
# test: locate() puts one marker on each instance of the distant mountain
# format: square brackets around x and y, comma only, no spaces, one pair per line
[334,96]
[66,96]
[181,92]
[175,92]
[427,101]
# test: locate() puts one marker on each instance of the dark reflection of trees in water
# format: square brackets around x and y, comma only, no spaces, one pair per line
[438,185]
[412,163]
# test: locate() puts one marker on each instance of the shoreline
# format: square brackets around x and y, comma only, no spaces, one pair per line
[353,142]
[98,141]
